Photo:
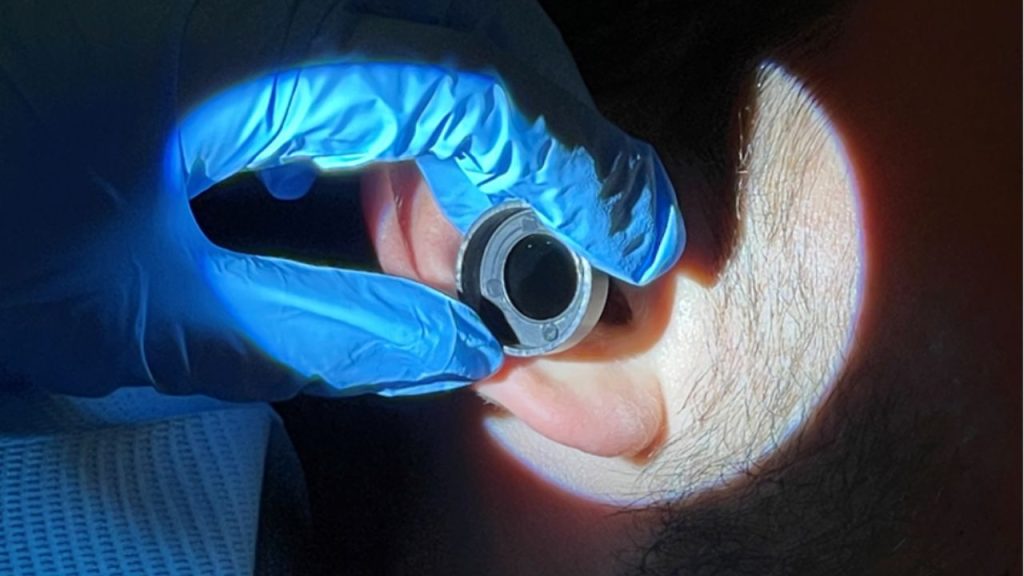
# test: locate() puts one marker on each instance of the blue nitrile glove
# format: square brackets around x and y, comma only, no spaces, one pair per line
[133,293]
[145,298]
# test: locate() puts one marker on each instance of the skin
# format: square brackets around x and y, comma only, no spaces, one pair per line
[612,417]
[885,453]
[924,392]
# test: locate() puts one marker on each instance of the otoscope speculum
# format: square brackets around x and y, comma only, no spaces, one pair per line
[535,294]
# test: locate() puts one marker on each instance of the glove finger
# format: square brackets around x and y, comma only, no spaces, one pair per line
[608,194]
[359,332]
[459,200]
[288,181]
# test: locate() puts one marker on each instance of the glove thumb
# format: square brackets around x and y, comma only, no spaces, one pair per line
[357,331]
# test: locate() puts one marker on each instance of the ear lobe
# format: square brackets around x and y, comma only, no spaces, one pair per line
[606,409]
[600,397]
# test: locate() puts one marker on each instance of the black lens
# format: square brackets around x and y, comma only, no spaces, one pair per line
[540,277]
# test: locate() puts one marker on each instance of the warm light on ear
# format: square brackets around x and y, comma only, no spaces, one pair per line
[606,410]
[707,374]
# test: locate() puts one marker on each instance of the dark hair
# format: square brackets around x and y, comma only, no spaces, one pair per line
[671,72]
[833,499]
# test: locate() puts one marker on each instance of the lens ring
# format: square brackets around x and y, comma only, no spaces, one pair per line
[551,299]
[540,277]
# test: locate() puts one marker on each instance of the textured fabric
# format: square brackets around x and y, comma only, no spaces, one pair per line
[82,492]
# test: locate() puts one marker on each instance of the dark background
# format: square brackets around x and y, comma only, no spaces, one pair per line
[666,72]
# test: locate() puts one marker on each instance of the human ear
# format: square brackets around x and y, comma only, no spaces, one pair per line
[600,397]
[722,367]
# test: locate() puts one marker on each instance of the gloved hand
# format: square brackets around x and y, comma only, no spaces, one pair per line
[109,282]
